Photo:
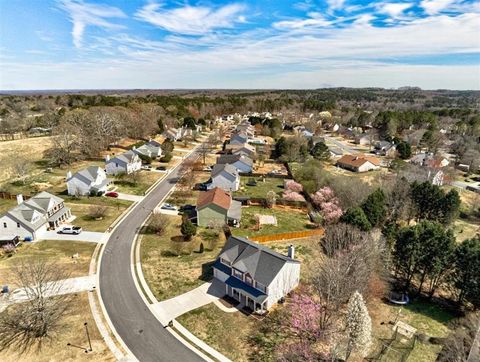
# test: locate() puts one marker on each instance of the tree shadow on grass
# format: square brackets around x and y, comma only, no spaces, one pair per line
[207,271]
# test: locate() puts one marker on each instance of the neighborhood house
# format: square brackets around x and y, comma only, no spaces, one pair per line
[32,217]
[225,177]
[241,162]
[126,163]
[90,180]
[358,163]
[255,275]
[216,207]
[150,149]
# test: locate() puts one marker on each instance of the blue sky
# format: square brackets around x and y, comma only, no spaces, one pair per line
[77,44]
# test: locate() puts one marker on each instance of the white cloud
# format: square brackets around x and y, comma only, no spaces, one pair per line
[433,7]
[85,14]
[315,20]
[192,20]
[335,4]
[394,10]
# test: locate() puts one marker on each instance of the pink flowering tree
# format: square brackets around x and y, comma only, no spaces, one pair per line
[293,186]
[292,196]
[304,314]
[329,205]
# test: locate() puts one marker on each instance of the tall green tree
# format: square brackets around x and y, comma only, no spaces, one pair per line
[375,208]
[356,216]
[320,151]
[404,150]
[466,275]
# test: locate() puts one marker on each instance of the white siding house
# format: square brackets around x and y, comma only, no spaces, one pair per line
[126,163]
[86,181]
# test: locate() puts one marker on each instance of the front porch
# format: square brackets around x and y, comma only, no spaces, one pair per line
[250,299]
[61,216]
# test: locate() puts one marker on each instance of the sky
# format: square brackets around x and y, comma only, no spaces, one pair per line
[269,44]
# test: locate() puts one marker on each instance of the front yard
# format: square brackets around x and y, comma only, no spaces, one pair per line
[71,330]
[172,266]
[144,180]
[82,207]
[288,220]
[59,251]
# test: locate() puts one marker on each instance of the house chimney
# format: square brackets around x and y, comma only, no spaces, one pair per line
[69,175]
[107,158]
[19,199]
[291,252]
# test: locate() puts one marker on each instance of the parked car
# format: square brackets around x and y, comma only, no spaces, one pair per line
[200,187]
[169,207]
[187,207]
[75,230]
[161,168]
[146,167]
[207,168]
[112,194]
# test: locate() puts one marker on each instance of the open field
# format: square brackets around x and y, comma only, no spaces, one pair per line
[71,330]
[59,251]
[6,205]
[173,266]
[288,219]
[30,148]
[264,185]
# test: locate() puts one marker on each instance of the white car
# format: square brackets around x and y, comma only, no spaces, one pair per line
[207,168]
[169,207]
[75,230]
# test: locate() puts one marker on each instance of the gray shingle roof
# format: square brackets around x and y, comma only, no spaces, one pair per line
[234,158]
[262,263]
[87,175]
[219,168]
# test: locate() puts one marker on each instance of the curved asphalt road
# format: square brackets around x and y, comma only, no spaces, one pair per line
[137,326]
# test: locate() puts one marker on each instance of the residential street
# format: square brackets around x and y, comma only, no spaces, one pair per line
[139,329]
[342,145]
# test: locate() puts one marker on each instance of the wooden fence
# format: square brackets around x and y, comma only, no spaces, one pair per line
[8,196]
[288,236]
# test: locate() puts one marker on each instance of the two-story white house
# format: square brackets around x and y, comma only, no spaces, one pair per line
[92,179]
[255,275]
[226,177]
[152,149]
[32,217]
[126,163]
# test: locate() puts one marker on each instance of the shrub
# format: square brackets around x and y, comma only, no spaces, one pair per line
[293,186]
[292,196]
[158,224]
[166,158]
[356,216]
[97,211]
[188,230]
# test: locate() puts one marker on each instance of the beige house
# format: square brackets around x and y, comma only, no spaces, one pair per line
[359,163]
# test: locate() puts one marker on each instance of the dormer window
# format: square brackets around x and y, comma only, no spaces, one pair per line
[238,274]
[224,261]
[248,279]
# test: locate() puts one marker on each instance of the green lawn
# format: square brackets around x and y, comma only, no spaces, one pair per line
[59,251]
[228,333]
[146,179]
[426,317]
[262,187]
[81,210]
[288,220]
[172,266]
[6,205]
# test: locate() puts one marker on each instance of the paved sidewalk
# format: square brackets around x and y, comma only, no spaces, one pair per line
[129,197]
[67,286]
[89,236]
[170,309]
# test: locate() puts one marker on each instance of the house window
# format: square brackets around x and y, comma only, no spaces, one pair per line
[18,224]
[237,274]
[223,261]
[248,279]
[5,225]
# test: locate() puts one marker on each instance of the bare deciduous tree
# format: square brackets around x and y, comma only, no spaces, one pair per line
[97,211]
[28,324]
[158,223]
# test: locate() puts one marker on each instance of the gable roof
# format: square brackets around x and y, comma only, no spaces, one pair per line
[234,158]
[358,160]
[87,175]
[225,167]
[262,263]
[29,217]
[43,201]
[214,196]
[126,157]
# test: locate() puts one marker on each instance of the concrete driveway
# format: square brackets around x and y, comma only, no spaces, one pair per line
[129,197]
[89,236]
[170,309]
